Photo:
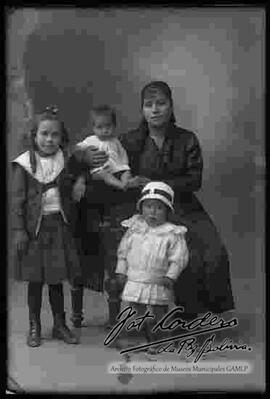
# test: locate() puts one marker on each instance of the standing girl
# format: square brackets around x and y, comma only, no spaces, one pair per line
[151,255]
[41,207]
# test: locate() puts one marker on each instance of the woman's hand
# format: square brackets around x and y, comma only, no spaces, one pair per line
[137,181]
[21,242]
[78,189]
[143,181]
[94,157]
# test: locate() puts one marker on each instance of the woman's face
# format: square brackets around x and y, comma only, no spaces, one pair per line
[157,109]
[48,137]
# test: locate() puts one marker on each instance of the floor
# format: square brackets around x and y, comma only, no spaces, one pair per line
[58,367]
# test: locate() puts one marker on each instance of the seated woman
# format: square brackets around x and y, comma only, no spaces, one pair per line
[160,150]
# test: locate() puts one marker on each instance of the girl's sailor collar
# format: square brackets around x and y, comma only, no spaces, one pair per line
[57,165]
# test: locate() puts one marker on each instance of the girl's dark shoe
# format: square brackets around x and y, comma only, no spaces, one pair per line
[61,331]
[34,336]
[77,323]
[153,353]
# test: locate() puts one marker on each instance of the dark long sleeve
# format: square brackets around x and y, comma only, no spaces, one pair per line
[180,164]
[18,200]
[73,169]
[191,176]
[78,154]
[76,165]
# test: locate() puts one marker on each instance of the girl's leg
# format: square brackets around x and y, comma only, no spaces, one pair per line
[34,305]
[159,311]
[141,309]
[133,337]
[60,329]
[111,240]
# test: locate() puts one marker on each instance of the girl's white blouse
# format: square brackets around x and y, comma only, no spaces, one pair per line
[146,254]
[51,198]
[48,168]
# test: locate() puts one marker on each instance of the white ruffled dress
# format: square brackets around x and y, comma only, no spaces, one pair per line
[146,254]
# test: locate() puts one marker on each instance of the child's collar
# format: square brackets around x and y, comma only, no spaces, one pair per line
[42,155]
[57,159]
[137,223]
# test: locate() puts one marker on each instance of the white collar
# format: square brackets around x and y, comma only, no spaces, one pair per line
[138,224]
[57,165]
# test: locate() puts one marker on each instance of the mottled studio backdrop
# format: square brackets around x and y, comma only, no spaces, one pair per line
[214,61]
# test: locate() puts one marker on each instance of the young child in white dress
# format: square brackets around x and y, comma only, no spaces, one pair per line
[151,255]
[116,171]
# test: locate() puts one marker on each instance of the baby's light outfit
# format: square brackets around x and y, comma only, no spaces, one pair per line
[118,159]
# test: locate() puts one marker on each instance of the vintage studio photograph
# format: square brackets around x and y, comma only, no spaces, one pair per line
[136,178]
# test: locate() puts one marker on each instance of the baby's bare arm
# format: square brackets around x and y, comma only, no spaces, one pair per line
[109,179]
[126,176]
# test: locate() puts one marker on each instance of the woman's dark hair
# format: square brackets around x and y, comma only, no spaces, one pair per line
[153,87]
[50,113]
[104,110]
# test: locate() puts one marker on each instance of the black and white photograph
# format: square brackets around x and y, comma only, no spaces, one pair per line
[135,168]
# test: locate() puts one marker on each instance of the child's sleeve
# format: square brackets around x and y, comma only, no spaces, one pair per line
[122,252]
[177,256]
[89,140]
[81,147]
[76,168]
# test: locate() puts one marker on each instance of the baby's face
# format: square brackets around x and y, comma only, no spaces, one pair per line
[154,212]
[103,127]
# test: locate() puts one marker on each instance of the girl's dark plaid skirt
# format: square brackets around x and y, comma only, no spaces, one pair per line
[51,257]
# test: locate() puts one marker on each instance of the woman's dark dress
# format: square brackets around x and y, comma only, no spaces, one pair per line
[205,283]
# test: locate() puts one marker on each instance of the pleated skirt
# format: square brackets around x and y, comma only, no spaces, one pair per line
[52,256]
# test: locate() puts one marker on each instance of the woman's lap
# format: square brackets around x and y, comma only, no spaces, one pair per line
[205,283]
